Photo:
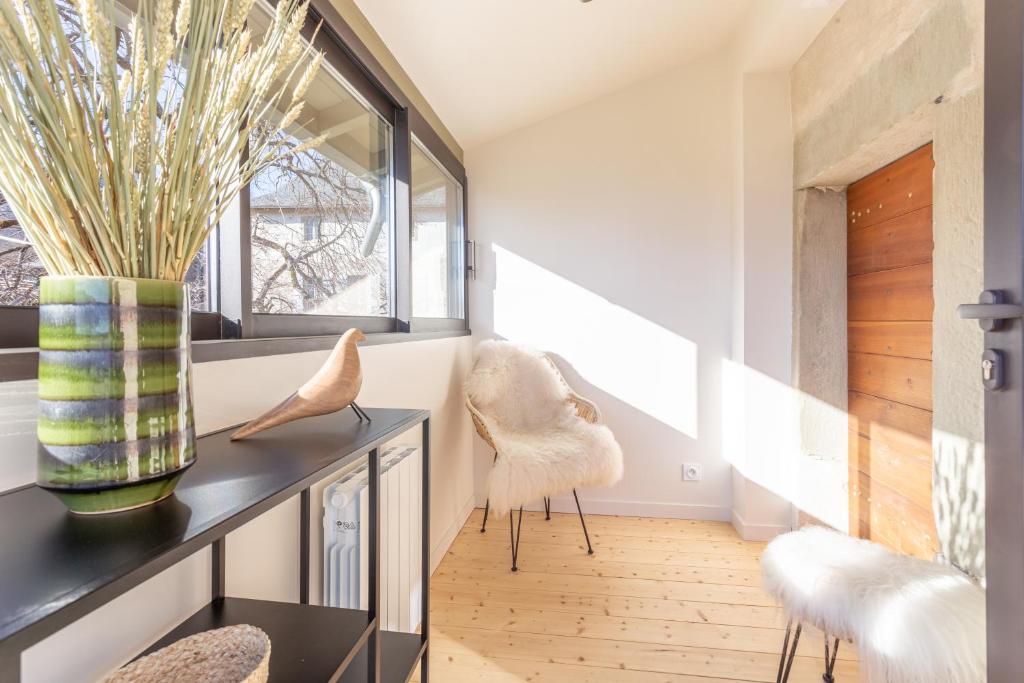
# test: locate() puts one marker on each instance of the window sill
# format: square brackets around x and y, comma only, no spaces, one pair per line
[20,364]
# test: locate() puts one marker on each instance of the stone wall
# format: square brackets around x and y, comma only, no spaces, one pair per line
[882,79]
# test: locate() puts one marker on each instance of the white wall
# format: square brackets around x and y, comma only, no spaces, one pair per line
[604,237]
[262,556]
[646,239]
[760,403]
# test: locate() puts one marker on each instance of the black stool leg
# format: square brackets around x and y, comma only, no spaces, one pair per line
[786,660]
[830,662]
[547,509]
[590,549]
[516,534]
[785,650]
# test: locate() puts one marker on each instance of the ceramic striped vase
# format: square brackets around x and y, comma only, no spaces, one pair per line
[115,400]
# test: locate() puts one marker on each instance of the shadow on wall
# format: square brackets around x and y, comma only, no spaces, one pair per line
[642,432]
[959,506]
[646,378]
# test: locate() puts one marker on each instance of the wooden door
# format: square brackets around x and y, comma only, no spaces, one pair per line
[889,311]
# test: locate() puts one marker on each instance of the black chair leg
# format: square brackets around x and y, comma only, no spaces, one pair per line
[547,509]
[516,533]
[487,505]
[590,549]
[786,661]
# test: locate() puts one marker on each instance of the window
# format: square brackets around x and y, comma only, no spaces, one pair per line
[20,268]
[438,242]
[313,245]
[200,279]
[320,221]
[321,227]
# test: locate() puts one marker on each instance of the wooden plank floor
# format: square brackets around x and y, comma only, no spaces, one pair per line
[660,601]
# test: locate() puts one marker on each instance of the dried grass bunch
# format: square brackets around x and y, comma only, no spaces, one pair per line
[120,151]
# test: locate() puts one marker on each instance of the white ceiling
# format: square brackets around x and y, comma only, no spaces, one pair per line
[491,66]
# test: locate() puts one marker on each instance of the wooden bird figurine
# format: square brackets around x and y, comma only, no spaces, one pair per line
[333,388]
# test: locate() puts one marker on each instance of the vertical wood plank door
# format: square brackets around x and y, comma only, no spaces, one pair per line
[889,311]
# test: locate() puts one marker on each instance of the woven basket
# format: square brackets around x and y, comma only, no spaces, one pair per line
[235,654]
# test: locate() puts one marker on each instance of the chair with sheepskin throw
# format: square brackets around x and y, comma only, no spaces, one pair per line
[547,439]
[911,620]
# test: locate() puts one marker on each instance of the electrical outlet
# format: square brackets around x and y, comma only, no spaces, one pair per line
[692,471]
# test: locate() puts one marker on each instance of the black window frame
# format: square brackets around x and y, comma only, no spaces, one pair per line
[231,290]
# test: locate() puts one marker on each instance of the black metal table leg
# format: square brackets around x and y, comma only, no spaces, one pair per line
[218,579]
[373,653]
[10,663]
[425,571]
[304,547]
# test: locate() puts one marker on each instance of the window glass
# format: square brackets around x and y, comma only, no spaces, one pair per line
[20,268]
[200,278]
[321,220]
[437,240]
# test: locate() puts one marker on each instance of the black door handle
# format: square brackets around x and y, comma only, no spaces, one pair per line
[990,311]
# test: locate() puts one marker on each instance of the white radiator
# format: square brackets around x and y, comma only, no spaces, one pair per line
[346,545]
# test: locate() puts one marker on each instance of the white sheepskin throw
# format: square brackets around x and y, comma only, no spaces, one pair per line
[912,621]
[544,448]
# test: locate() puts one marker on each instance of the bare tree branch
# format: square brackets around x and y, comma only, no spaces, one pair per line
[309,217]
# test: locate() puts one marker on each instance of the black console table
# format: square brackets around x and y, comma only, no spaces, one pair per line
[56,567]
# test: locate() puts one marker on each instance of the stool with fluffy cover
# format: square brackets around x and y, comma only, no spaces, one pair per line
[548,440]
[912,621]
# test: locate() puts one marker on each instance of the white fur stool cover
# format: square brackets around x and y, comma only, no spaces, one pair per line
[544,447]
[912,621]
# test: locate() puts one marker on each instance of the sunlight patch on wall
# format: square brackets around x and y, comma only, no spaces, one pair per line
[758,428]
[631,358]
[762,439]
